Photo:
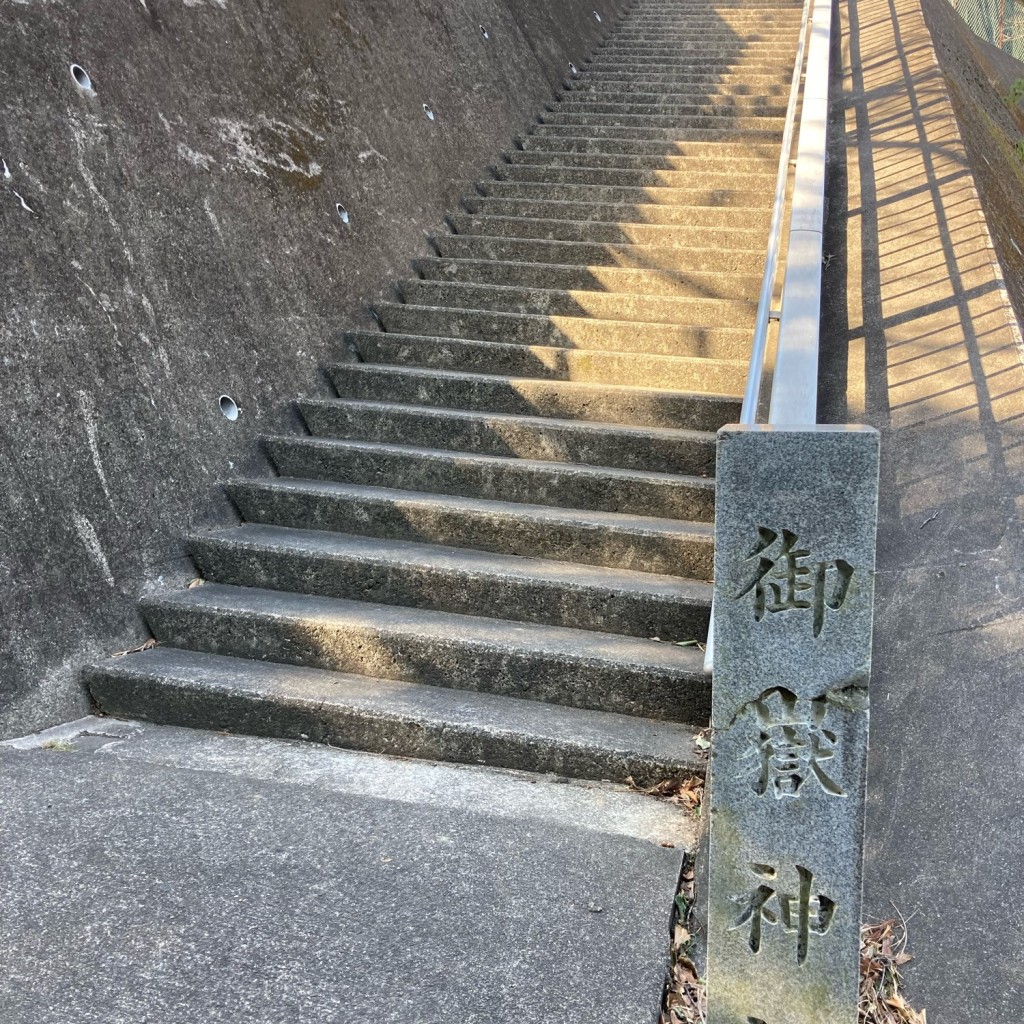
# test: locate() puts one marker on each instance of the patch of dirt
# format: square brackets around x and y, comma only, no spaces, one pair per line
[990,114]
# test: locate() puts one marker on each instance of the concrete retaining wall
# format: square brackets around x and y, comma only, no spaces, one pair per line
[171,235]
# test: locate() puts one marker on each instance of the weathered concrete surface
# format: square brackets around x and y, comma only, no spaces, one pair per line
[177,876]
[172,235]
[794,595]
[918,342]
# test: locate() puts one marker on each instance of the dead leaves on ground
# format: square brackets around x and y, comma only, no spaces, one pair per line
[883,951]
[147,646]
[688,792]
[685,993]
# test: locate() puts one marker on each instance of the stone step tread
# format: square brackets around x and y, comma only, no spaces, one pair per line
[541,515]
[487,295]
[631,188]
[619,280]
[583,647]
[548,438]
[571,253]
[494,568]
[507,478]
[532,227]
[498,419]
[550,362]
[385,716]
[558,664]
[584,331]
[532,388]
[674,136]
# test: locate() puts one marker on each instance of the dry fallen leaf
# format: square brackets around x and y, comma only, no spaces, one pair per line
[148,645]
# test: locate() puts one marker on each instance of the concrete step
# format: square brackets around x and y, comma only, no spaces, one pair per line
[643,162]
[714,48]
[626,280]
[529,396]
[710,30]
[495,478]
[730,312]
[735,216]
[596,254]
[455,579]
[710,87]
[574,332]
[659,235]
[385,716]
[663,121]
[719,376]
[747,188]
[677,134]
[616,195]
[655,449]
[757,152]
[552,664]
[612,539]
[672,104]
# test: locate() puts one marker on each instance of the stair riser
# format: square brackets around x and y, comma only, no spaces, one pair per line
[735,217]
[665,236]
[619,186]
[625,162]
[671,187]
[644,105]
[694,150]
[692,284]
[496,479]
[500,596]
[504,532]
[546,441]
[660,121]
[573,332]
[709,88]
[529,397]
[644,691]
[539,302]
[725,377]
[330,722]
[700,260]
[677,135]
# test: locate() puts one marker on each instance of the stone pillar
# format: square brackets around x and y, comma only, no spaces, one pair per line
[794,581]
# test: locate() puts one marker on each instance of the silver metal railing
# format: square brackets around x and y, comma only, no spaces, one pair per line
[794,394]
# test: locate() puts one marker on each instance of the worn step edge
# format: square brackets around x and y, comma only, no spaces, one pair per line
[628,404]
[464,581]
[555,664]
[613,539]
[206,691]
[548,438]
[551,362]
[495,477]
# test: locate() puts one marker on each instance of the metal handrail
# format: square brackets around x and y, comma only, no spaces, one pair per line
[748,413]
[794,382]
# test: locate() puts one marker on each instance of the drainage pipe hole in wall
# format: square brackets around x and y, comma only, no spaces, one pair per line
[81,77]
[228,407]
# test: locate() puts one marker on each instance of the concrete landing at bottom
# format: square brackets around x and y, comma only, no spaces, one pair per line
[153,874]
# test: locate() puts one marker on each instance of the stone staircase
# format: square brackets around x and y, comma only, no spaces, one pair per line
[470,555]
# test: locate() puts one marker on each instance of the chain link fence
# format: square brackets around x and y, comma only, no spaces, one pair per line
[1000,22]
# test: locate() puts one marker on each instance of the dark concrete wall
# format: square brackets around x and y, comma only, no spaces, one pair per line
[172,236]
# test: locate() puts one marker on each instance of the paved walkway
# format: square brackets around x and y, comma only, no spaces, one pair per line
[152,875]
[918,342]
